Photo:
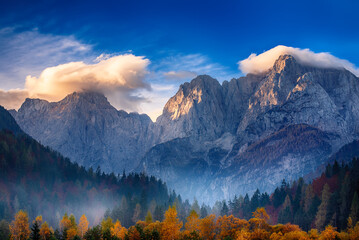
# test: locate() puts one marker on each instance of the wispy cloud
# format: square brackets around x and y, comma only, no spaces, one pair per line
[262,62]
[183,67]
[30,52]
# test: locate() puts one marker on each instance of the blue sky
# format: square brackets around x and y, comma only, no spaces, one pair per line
[184,37]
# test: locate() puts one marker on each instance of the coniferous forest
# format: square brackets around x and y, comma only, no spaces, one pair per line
[42,195]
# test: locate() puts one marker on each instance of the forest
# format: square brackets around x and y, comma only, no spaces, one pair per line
[39,184]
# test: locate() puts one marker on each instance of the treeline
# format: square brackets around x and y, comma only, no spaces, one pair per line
[329,199]
[171,228]
[40,181]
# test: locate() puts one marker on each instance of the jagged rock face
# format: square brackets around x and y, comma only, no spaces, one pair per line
[283,124]
[293,94]
[204,109]
[88,130]
[190,112]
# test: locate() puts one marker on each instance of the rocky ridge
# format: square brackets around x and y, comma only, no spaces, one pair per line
[213,140]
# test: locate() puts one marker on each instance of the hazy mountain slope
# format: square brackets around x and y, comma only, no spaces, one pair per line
[8,122]
[42,182]
[88,130]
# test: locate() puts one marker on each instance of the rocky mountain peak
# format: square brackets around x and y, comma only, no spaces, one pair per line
[33,104]
[86,97]
[284,62]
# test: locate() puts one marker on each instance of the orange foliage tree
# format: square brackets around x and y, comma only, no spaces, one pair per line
[118,231]
[45,231]
[228,226]
[83,225]
[207,227]
[193,222]
[65,222]
[19,228]
[171,227]
[329,233]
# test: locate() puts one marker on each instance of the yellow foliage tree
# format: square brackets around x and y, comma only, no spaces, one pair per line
[65,222]
[260,218]
[45,231]
[133,233]
[296,235]
[107,224]
[329,233]
[354,233]
[228,226]
[118,231]
[71,233]
[193,222]
[243,235]
[207,227]
[83,226]
[38,219]
[19,228]
[171,225]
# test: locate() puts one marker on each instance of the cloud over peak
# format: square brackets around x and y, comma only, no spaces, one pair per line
[117,77]
[264,61]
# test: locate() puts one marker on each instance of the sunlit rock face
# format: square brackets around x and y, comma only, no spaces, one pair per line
[88,130]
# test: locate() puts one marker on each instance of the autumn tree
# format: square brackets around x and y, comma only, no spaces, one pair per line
[45,231]
[207,227]
[83,226]
[261,214]
[106,224]
[329,234]
[38,219]
[65,223]
[148,218]
[228,226]
[71,233]
[118,231]
[19,228]
[193,221]
[171,225]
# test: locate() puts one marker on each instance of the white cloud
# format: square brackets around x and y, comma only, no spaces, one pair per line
[117,77]
[172,75]
[262,62]
[13,99]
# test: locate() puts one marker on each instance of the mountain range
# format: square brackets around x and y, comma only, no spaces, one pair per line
[212,140]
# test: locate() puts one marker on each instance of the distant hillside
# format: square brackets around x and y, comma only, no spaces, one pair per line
[8,122]
[347,152]
[42,182]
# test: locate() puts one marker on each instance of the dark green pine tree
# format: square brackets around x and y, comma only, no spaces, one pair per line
[354,210]
[224,210]
[255,200]
[204,212]
[158,214]
[35,231]
[344,202]
[286,214]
